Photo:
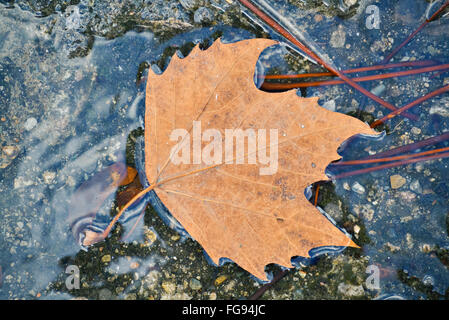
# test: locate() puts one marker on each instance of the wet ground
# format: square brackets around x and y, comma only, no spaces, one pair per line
[71,104]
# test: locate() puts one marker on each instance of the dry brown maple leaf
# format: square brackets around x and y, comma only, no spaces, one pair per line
[235,209]
[231,209]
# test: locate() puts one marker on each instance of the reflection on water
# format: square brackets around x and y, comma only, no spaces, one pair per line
[65,119]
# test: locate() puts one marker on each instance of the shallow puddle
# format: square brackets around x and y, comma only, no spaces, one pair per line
[72,105]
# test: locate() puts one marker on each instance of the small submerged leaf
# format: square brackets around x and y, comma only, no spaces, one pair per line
[89,198]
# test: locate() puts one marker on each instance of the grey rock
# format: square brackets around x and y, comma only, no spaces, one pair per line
[350,290]
[104,294]
[378,90]
[30,124]
[202,15]
[350,3]
[358,188]
[334,211]
[440,110]
[416,186]
[195,284]
[187,4]
[338,38]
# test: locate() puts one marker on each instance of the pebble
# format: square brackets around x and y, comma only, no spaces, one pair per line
[21,182]
[392,247]
[441,110]
[318,18]
[202,14]
[350,290]
[169,287]
[428,280]
[220,280]
[397,181]
[358,188]
[334,211]
[350,3]
[187,4]
[302,274]
[104,294]
[131,296]
[416,186]
[409,239]
[150,236]
[329,105]
[426,248]
[195,284]
[378,90]
[30,124]
[338,38]
[416,130]
[10,151]
[48,176]
[407,196]
[366,211]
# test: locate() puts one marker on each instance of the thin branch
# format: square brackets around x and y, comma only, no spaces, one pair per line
[414,33]
[411,146]
[267,286]
[423,63]
[391,165]
[391,159]
[287,35]
[286,86]
[410,105]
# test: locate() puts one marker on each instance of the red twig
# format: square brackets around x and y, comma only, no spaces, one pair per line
[410,105]
[411,147]
[285,86]
[281,30]
[391,165]
[267,286]
[424,63]
[382,156]
[390,159]
[414,33]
